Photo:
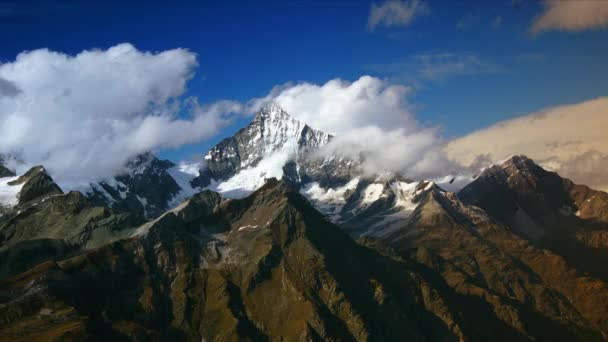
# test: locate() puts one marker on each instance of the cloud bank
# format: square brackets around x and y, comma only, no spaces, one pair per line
[84,115]
[395,13]
[569,139]
[575,15]
[372,121]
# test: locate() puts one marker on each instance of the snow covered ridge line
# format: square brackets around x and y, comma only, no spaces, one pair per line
[371,208]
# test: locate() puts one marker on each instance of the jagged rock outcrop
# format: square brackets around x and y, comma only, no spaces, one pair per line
[4,172]
[35,184]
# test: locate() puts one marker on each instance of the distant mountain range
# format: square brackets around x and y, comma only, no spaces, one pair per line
[271,241]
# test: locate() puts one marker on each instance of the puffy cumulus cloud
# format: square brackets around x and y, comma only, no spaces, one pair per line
[372,121]
[84,115]
[339,106]
[395,13]
[569,139]
[418,155]
[571,16]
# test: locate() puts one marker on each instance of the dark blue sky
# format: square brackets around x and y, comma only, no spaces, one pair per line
[246,47]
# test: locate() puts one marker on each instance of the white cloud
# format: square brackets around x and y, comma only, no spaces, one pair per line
[83,116]
[572,16]
[8,89]
[395,13]
[569,139]
[371,118]
[339,106]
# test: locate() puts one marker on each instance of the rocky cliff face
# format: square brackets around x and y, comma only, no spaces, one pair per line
[5,172]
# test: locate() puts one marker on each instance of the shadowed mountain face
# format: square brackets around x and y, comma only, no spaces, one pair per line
[551,211]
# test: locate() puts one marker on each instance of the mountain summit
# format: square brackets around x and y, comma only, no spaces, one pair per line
[262,148]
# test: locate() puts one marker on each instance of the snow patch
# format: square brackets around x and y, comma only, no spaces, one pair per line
[248,180]
[9,194]
[329,201]
[373,192]
[404,193]
[144,229]
[248,227]
[183,180]
[192,169]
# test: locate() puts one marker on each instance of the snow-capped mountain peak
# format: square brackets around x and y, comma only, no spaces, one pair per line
[260,150]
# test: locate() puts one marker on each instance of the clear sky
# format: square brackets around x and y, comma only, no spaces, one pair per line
[470,63]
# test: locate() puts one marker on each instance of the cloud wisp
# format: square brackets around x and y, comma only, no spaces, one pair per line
[395,13]
[84,115]
[436,68]
[576,15]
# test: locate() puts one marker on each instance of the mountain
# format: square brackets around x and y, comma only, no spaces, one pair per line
[551,211]
[146,188]
[275,144]
[533,290]
[5,172]
[31,186]
[268,266]
[263,149]
[38,222]
[273,240]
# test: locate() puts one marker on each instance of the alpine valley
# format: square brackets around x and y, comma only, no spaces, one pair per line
[267,238]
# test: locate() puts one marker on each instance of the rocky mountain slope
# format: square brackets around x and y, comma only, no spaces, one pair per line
[268,266]
[551,211]
[534,291]
[39,222]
